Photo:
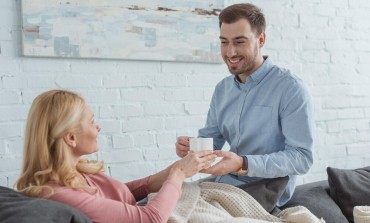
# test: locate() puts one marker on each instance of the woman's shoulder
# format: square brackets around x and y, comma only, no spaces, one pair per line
[67,194]
[54,189]
[99,178]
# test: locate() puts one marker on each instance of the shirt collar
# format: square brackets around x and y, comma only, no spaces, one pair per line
[260,73]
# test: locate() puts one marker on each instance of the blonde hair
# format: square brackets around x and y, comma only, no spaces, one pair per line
[47,158]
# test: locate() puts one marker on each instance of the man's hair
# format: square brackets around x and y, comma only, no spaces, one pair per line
[247,11]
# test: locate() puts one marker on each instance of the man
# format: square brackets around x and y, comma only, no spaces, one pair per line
[263,111]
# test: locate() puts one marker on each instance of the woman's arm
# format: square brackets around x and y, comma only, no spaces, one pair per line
[114,203]
[175,173]
[181,169]
[100,208]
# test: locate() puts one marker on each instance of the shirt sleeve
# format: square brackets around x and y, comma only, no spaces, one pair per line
[296,117]
[104,209]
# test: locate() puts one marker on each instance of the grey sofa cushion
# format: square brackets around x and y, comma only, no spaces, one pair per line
[316,198]
[349,188]
[16,208]
[266,191]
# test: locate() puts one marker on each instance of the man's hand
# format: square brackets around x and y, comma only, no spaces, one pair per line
[182,146]
[229,163]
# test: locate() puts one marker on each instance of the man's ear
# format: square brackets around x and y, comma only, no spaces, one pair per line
[70,139]
[262,39]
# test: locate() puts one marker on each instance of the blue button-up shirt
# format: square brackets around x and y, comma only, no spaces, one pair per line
[269,119]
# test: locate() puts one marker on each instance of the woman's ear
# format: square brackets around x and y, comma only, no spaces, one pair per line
[70,139]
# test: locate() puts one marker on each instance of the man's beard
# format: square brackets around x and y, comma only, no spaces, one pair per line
[247,66]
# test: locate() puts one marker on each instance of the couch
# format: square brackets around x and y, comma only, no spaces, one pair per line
[334,199]
[18,208]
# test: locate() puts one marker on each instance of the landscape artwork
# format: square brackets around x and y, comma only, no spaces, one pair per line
[175,30]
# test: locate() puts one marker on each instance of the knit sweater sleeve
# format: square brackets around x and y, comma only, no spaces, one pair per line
[117,204]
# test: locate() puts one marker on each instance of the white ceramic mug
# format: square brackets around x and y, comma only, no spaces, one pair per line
[200,144]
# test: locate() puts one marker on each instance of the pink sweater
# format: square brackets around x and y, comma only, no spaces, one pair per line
[115,201]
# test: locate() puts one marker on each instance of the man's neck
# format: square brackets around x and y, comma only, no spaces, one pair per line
[242,78]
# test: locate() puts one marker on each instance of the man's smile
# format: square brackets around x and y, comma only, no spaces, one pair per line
[234,61]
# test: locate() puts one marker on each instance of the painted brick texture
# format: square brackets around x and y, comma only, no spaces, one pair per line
[142,106]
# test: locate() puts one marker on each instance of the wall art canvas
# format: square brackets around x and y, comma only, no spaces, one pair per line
[175,30]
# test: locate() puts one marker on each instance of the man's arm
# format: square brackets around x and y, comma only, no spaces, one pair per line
[297,127]
[297,124]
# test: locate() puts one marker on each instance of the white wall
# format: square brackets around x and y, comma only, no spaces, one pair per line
[142,105]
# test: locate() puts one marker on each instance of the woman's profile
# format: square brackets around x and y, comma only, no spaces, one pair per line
[60,130]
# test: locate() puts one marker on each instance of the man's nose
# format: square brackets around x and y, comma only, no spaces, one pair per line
[231,50]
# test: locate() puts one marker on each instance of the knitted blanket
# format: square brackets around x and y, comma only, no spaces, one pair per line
[210,202]
[361,214]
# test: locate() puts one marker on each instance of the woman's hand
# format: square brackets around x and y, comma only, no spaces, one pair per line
[191,164]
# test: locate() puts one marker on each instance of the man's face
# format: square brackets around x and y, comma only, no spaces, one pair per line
[240,47]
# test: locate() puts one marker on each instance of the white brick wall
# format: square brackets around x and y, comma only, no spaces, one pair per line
[142,106]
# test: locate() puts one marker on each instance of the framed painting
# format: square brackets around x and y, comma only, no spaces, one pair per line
[175,30]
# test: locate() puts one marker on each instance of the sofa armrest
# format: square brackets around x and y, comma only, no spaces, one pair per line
[315,197]
[16,207]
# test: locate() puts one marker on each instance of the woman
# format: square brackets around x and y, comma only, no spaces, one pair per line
[60,129]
